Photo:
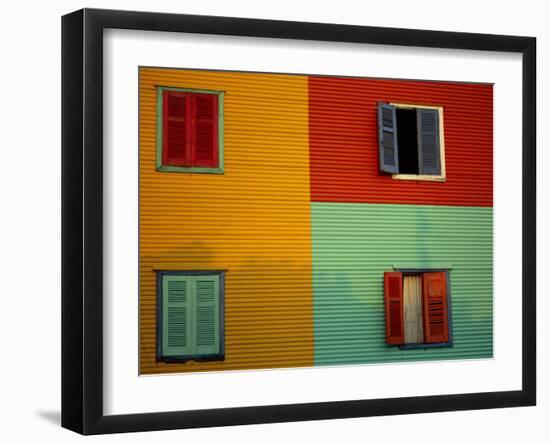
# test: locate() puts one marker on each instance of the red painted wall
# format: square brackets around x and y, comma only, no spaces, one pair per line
[344,142]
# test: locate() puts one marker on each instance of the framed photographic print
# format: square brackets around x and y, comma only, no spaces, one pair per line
[269,221]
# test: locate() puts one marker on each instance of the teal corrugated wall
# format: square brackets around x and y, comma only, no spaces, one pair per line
[354,243]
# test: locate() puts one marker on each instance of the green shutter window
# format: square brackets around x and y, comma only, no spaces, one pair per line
[207,315]
[190,327]
[176,315]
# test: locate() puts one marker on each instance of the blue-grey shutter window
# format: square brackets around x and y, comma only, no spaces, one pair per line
[387,139]
[429,158]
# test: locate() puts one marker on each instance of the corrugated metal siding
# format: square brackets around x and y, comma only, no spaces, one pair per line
[353,244]
[253,221]
[344,146]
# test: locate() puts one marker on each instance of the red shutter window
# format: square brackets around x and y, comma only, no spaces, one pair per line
[189,129]
[436,320]
[175,130]
[393,298]
[205,130]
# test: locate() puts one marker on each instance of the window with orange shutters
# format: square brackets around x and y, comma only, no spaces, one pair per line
[417,308]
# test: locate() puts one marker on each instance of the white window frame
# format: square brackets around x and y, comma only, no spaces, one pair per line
[422,177]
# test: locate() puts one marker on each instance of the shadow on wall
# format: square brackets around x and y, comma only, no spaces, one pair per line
[188,256]
[268,314]
[53,417]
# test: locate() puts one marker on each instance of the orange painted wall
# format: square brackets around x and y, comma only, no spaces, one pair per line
[253,220]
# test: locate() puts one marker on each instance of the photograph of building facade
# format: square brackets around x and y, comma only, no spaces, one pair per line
[301,220]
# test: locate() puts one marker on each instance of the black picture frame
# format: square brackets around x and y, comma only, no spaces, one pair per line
[82,218]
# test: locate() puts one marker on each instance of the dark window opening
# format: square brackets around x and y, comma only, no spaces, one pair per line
[407,140]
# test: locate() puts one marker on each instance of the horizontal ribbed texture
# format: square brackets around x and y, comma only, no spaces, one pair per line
[344,141]
[253,221]
[304,225]
[353,244]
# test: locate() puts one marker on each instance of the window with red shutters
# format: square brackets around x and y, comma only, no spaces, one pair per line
[190,129]
[434,315]
[204,130]
[175,131]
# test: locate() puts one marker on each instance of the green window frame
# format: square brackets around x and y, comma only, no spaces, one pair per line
[189,169]
[190,316]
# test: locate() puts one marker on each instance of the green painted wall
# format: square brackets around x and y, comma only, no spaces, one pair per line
[353,244]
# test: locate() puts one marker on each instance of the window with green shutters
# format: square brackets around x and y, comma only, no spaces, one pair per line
[190,322]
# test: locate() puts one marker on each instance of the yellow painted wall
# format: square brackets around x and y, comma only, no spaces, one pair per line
[252,221]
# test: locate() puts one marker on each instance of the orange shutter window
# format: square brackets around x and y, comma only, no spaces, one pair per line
[436,318]
[393,298]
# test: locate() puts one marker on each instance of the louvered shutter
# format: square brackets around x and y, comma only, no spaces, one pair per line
[387,139]
[207,314]
[205,130]
[436,318]
[176,147]
[393,298]
[429,161]
[177,334]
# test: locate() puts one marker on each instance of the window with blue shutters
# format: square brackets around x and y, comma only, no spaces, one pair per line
[410,141]
[387,134]
[190,315]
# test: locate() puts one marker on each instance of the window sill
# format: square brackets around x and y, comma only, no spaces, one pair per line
[422,267]
[430,178]
[425,346]
[192,358]
[190,170]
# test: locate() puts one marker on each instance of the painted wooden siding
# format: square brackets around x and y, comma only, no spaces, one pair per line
[353,244]
[344,144]
[253,221]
